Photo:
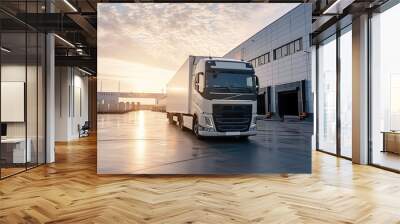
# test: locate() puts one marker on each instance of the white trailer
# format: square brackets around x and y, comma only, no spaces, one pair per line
[179,89]
[213,97]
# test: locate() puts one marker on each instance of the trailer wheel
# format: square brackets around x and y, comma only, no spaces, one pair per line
[170,118]
[180,122]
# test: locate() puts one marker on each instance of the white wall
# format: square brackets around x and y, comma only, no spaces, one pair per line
[62,83]
[80,109]
[12,73]
[33,125]
[71,87]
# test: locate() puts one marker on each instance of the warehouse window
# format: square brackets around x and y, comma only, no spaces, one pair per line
[284,51]
[291,48]
[277,53]
[297,44]
[254,63]
[288,49]
[261,60]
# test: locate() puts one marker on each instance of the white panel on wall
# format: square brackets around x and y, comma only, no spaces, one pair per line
[12,101]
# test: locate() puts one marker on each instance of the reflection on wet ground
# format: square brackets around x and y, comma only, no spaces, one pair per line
[142,142]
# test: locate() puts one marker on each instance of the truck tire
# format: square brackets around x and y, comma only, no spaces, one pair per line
[180,122]
[196,128]
[170,118]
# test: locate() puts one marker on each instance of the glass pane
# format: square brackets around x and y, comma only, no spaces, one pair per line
[297,45]
[261,60]
[385,89]
[13,87]
[346,94]
[327,96]
[14,6]
[291,48]
[31,98]
[278,53]
[284,51]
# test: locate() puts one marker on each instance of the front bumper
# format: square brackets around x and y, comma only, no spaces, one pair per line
[220,134]
[207,128]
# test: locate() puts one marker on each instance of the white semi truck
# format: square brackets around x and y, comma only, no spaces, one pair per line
[213,97]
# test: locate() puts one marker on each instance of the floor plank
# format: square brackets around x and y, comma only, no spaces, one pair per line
[70,191]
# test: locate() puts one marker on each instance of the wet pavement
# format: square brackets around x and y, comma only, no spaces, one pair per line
[142,142]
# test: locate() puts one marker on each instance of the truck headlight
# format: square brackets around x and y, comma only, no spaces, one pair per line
[253,125]
[208,124]
[208,121]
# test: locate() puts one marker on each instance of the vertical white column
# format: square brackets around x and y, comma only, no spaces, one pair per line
[63,103]
[50,99]
[360,90]
[50,92]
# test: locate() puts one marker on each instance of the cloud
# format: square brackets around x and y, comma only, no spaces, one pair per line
[163,35]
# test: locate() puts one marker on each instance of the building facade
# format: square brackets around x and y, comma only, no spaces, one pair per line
[280,54]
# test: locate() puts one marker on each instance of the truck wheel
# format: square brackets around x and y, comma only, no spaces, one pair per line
[196,128]
[180,122]
[170,118]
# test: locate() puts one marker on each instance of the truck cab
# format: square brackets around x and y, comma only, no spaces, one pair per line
[224,98]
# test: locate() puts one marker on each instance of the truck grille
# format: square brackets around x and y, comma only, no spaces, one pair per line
[228,117]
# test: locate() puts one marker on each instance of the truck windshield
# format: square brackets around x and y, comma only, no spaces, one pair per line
[223,82]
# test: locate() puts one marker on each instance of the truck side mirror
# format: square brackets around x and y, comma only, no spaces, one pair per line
[201,82]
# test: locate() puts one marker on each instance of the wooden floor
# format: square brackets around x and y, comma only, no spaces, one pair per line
[69,191]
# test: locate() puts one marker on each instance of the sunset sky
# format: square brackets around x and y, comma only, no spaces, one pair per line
[140,46]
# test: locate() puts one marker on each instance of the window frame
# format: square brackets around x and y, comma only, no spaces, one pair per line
[299,47]
[285,51]
[261,60]
[292,48]
[278,53]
